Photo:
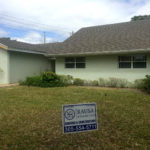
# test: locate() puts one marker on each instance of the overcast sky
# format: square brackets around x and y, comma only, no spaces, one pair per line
[25,20]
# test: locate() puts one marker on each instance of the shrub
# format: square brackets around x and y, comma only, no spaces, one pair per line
[139,84]
[91,83]
[32,81]
[143,84]
[146,83]
[46,79]
[94,83]
[114,82]
[66,79]
[78,81]
[102,82]
[123,83]
[50,79]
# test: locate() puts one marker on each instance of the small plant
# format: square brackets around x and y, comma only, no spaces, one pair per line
[102,82]
[90,83]
[66,79]
[146,83]
[32,81]
[139,84]
[112,82]
[78,81]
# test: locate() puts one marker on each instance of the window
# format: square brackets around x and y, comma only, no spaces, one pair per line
[124,61]
[136,61]
[70,62]
[78,62]
[139,61]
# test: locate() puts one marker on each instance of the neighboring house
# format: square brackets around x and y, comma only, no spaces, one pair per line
[117,50]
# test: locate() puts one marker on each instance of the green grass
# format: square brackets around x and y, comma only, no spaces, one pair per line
[31,119]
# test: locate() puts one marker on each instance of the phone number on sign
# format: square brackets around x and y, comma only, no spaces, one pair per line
[80,127]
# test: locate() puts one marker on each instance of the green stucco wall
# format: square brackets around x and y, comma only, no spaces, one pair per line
[4,66]
[24,64]
[105,66]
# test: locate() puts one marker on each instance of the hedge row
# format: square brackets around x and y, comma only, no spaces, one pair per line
[50,79]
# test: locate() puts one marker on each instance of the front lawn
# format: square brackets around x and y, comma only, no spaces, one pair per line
[31,119]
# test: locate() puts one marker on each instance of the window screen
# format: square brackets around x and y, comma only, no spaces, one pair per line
[78,62]
[124,61]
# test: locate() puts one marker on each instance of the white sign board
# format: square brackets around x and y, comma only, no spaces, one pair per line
[79,117]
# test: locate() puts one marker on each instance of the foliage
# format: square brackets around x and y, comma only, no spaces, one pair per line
[78,82]
[146,83]
[32,81]
[143,84]
[66,79]
[46,79]
[90,83]
[50,79]
[114,82]
[102,82]
[31,119]
[144,17]
[138,84]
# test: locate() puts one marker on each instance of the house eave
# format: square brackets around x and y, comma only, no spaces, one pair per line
[147,50]
[26,51]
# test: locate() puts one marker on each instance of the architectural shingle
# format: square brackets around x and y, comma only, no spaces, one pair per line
[134,35]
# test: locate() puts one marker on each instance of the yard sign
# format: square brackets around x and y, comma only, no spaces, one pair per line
[79,118]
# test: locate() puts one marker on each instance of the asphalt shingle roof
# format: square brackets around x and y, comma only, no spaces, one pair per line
[114,37]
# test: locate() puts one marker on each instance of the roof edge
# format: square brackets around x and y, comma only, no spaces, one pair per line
[102,53]
[26,51]
[3,46]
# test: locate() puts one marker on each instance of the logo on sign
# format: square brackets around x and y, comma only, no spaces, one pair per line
[69,114]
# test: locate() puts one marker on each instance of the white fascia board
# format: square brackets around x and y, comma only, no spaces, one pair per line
[102,53]
[26,51]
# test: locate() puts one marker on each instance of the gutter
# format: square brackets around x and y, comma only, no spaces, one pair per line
[26,51]
[3,46]
[101,53]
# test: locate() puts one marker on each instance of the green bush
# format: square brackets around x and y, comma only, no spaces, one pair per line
[102,82]
[78,81]
[114,82]
[146,83]
[143,84]
[32,81]
[66,79]
[46,79]
[90,83]
[139,84]
[51,79]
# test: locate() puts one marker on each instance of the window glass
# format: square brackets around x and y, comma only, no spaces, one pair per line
[139,58]
[125,65]
[80,65]
[80,59]
[124,61]
[139,61]
[139,64]
[124,58]
[136,61]
[69,59]
[78,62]
[70,65]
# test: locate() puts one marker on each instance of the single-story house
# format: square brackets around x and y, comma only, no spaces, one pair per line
[119,50]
